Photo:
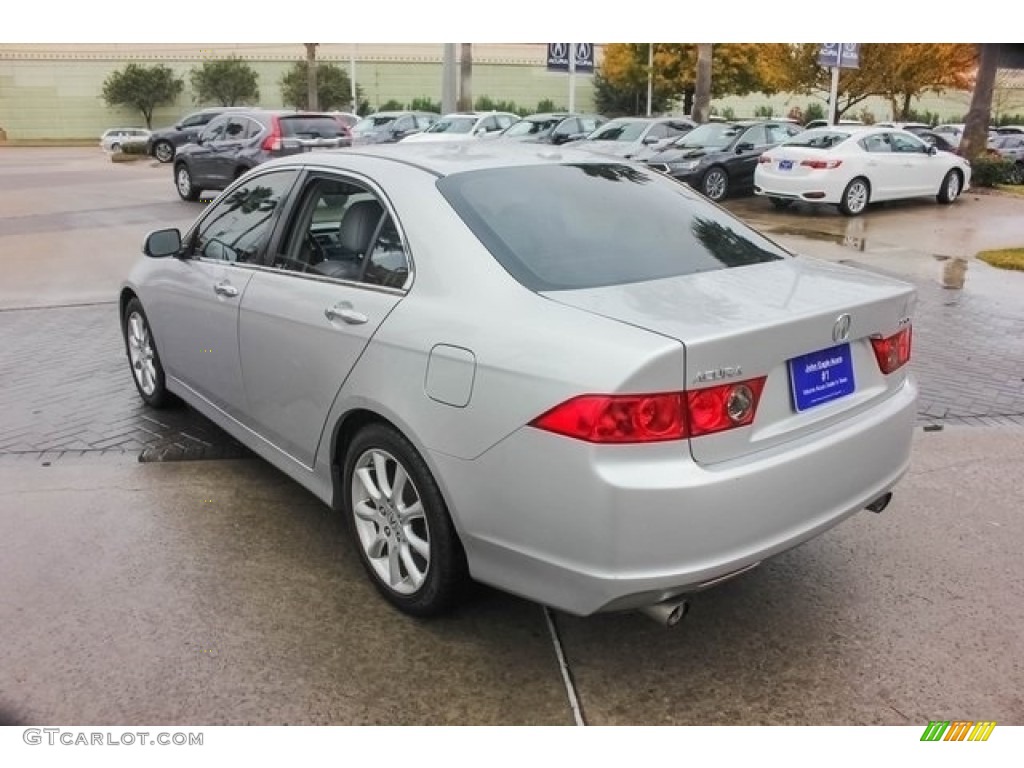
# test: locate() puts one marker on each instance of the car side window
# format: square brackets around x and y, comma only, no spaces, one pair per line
[387,263]
[238,227]
[658,131]
[490,124]
[778,133]
[504,121]
[193,121]
[403,124]
[756,136]
[589,124]
[235,129]
[214,131]
[332,231]
[907,144]
[877,143]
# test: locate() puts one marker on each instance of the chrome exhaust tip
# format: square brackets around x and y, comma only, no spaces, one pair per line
[880,503]
[667,613]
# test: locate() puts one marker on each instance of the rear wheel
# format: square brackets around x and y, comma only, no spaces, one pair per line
[855,197]
[405,538]
[115,147]
[951,186]
[187,190]
[780,202]
[163,151]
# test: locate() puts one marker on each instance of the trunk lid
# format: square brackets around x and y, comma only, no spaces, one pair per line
[746,322]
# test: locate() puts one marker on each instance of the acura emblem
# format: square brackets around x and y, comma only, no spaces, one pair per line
[841,330]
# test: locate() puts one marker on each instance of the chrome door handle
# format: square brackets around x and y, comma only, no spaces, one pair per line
[225,289]
[345,313]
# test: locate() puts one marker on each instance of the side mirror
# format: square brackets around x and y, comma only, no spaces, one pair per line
[559,138]
[746,146]
[162,242]
[651,140]
[933,150]
[177,127]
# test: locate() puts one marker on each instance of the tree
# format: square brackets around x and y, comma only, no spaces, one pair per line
[899,72]
[702,88]
[975,138]
[333,88]
[228,82]
[143,88]
[735,70]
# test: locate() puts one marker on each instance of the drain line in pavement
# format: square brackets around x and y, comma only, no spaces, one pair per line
[563,667]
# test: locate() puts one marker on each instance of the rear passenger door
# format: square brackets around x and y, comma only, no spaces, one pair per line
[336,273]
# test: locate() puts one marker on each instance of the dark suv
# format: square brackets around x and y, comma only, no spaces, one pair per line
[164,143]
[233,143]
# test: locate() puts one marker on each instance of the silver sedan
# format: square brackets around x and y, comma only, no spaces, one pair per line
[566,376]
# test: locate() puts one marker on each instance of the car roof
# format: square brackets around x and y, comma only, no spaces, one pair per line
[444,159]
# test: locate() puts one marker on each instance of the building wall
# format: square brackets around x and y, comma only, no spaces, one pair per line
[55,92]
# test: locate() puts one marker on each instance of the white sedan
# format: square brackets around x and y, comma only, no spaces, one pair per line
[464,126]
[851,167]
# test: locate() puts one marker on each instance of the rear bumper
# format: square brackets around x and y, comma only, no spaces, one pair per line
[807,188]
[599,528]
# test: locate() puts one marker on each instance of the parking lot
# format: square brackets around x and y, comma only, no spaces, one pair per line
[174,590]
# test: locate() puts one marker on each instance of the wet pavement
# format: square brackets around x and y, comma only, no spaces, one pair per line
[221,592]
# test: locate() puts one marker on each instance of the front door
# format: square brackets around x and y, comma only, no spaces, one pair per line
[198,310]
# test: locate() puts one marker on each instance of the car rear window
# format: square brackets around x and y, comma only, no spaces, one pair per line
[306,127]
[585,225]
[818,139]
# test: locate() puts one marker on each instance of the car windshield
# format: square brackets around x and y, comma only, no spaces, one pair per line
[709,136]
[372,123]
[311,127]
[572,226]
[452,125]
[532,127]
[619,131]
[818,139]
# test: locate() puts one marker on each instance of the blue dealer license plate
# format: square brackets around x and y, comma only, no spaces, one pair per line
[785,165]
[821,377]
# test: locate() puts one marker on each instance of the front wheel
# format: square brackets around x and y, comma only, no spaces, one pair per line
[163,151]
[951,186]
[147,370]
[405,538]
[187,190]
[715,185]
[855,197]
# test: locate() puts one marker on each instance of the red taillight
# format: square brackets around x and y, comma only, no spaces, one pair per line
[726,406]
[656,417]
[273,141]
[894,352]
[820,165]
[764,159]
[618,418]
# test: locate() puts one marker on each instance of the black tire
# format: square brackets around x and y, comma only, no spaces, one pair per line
[379,527]
[115,147]
[187,190]
[163,151]
[140,346]
[780,203]
[715,184]
[952,185]
[856,197]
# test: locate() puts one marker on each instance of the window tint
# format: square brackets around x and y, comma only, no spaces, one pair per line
[239,226]
[658,131]
[902,143]
[235,129]
[779,133]
[387,263]
[195,120]
[215,130]
[334,230]
[756,136]
[877,143]
[574,226]
[823,138]
[310,127]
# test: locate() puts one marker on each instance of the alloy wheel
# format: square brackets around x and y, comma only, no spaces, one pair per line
[140,352]
[390,521]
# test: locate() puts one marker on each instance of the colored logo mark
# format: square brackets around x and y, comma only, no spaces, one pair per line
[958,730]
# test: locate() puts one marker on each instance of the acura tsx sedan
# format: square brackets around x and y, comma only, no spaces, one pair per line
[476,356]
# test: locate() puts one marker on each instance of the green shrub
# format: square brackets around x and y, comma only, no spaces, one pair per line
[547,105]
[729,113]
[989,170]
[391,105]
[764,111]
[814,111]
[424,104]
[487,104]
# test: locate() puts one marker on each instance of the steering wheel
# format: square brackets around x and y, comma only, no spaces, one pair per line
[316,251]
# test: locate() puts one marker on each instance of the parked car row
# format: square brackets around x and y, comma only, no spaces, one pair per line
[114,138]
